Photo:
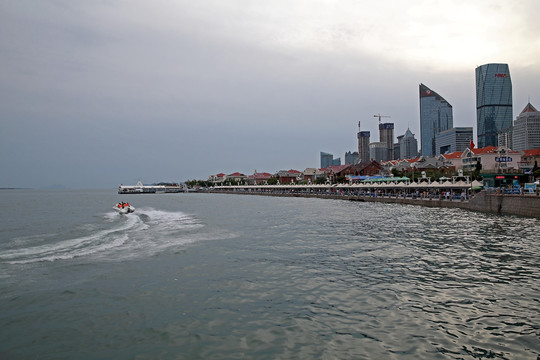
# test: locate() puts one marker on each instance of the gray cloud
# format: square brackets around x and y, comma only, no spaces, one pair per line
[99,93]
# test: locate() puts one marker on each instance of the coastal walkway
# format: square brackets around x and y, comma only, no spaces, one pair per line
[463,195]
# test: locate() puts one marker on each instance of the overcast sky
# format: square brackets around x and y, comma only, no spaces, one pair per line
[98,93]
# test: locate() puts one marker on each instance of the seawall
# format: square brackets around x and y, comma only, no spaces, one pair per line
[522,205]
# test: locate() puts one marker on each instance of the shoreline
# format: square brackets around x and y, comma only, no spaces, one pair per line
[527,205]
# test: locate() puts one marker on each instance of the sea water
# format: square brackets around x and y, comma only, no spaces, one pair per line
[214,276]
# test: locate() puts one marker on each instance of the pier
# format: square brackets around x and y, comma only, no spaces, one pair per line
[139,188]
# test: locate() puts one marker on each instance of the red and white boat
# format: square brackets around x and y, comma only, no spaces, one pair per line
[124,208]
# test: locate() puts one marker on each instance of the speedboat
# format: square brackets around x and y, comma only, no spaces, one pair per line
[124,208]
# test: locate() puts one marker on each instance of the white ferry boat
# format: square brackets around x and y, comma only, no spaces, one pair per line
[139,188]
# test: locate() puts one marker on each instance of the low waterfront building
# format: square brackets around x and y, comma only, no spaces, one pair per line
[454,159]
[288,176]
[531,156]
[217,179]
[258,178]
[312,174]
[333,172]
[236,177]
[403,165]
[530,159]
[427,163]
[492,159]
[387,166]
[508,182]
[365,168]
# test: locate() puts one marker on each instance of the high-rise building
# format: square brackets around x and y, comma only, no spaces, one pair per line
[397,148]
[454,139]
[363,145]
[435,117]
[408,145]
[505,138]
[351,158]
[386,135]
[328,160]
[493,102]
[526,134]
[379,151]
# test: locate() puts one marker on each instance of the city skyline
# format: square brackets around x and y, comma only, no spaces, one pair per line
[97,94]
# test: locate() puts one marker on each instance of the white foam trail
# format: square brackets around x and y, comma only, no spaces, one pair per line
[73,254]
[68,249]
[144,233]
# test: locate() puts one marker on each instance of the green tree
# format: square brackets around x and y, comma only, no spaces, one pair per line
[478,165]
[536,169]
[397,173]
[320,181]
[476,173]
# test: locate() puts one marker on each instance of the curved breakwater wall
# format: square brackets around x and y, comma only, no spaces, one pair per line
[522,205]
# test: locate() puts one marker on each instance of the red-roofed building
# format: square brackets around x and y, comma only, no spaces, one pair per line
[236,176]
[259,178]
[288,176]
[219,178]
[531,155]
[484,150]
[365,168]
[334,171]
[454,155]
[529,159]
[492,159]
[312,174]
[454,159]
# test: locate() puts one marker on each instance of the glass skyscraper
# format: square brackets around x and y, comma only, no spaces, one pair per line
[435,117]
[493,102]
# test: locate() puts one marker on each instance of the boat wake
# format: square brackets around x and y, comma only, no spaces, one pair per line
[115,237]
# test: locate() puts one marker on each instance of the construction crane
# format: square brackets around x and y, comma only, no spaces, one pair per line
[380,116]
